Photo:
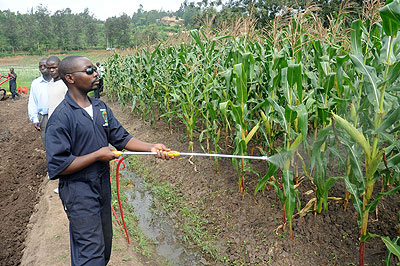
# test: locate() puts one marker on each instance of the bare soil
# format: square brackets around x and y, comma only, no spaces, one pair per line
[34,228]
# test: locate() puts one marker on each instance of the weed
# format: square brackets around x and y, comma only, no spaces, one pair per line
[127,259]
[62,257]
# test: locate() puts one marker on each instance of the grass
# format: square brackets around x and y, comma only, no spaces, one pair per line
[26,66]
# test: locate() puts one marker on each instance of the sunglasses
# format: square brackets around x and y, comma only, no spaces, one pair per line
[88,71]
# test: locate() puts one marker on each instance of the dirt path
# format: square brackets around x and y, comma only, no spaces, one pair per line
[243,227]
[47,243]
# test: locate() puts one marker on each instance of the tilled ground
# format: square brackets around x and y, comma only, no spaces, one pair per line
[22,172]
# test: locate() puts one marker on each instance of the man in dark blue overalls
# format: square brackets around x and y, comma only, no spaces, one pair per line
[78,135]
[13,84]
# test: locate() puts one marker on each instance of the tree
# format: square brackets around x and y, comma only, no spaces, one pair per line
[63,38]
[44,37]
[10,30]
[123,24]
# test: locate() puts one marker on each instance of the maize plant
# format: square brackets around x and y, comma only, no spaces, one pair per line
[374,87]
[241,115]
[283,93]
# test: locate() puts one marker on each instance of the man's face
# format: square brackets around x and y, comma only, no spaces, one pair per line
[52,69]
[85,78]
[42,67]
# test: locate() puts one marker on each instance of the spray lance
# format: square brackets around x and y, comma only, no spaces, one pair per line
[276,159]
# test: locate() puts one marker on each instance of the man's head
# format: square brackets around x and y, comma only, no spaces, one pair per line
[97,64]
[78,72]
[11,70]
[42,66]
[52,66]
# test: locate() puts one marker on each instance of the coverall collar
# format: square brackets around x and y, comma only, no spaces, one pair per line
[70,101]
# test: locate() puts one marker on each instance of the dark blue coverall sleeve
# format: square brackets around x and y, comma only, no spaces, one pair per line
[59,152]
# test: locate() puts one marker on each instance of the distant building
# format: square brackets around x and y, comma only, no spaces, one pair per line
[172,21]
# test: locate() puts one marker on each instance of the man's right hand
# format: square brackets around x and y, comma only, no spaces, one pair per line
[37,126]
[105,154]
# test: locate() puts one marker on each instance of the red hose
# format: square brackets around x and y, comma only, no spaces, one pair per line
[112,207]
[119,201]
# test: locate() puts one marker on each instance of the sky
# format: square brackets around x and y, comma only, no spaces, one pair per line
[101,9]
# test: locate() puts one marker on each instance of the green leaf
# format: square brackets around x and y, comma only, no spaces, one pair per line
[327,186]
[264,181]
[392,247]
[224,107]
[372,205]
[238,115]
[290,114]
[228,78]
[294,76]
[290,195]
[356,200]
[389,121]
[241,83]
[356,169]
[340,60]
[395,241]
[394,160]
[394,73]
[370,76]
[329,82]
[196,36]
[281,112]
[302,115]
[296,143]
[390,15]
[356,36]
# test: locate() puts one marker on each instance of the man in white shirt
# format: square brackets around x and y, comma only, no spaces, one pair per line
[56,89]
[38,107]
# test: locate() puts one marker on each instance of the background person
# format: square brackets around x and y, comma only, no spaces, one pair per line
[100,71]
[56,89]
[13,84]
[78,135]
[38,107]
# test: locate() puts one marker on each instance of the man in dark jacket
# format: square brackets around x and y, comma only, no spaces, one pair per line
[13,84]
[78,135]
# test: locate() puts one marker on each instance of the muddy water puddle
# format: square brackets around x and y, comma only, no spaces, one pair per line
[157,227]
